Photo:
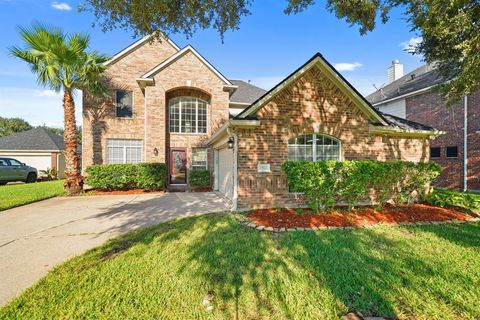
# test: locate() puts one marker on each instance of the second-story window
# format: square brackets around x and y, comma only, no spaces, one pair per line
[188,115]
[124,104]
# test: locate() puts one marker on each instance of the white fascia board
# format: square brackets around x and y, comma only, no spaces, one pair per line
[403,132]
[406,95]
[178,55]
[332,76]
[136,44]
[239,123]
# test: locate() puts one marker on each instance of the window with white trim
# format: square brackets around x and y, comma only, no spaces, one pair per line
[123,104]
[188,115]
[313,147]
[124,151]
[199,159]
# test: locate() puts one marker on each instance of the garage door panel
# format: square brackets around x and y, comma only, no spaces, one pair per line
[225,172]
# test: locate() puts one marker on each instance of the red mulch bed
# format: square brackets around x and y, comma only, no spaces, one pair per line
[121,192]
[289,218]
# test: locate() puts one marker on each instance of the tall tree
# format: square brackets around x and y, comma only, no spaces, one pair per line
[450,28]
[9,126]
[61,62]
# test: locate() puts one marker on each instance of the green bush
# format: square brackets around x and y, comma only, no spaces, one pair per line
[112,176]
[325,183]
[148,176]
[444,198]
[151,176]
[199,178]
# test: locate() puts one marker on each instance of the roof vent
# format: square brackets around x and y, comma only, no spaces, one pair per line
[395,71]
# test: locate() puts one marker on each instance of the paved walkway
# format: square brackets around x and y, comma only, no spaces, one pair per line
[36,237]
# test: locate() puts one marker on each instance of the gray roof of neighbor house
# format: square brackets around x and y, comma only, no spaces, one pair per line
[245,93]
[405,124]
[420,78]
[37,139]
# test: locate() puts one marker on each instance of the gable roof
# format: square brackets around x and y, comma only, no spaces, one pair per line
[37,139]
[404,124]
[333,75]
[136,45]
[246,93]
[416,81]
[151,73]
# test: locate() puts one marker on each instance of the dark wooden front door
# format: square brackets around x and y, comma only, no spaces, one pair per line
[178,166]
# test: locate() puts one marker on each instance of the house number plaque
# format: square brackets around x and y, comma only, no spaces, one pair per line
[263,167]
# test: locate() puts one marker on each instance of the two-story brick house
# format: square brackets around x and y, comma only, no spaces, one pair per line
[171,105]
[413,97]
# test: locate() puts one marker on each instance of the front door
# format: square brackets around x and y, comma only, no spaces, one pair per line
[178,166]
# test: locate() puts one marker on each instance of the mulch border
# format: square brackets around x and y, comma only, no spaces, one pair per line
[242,219]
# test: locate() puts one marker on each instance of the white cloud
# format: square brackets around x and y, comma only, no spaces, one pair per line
[61,6]
[47,93]
[411,44]
[346,66]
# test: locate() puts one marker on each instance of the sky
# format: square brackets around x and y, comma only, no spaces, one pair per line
[268,46]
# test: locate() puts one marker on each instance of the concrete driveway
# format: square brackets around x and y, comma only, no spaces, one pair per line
[36,237]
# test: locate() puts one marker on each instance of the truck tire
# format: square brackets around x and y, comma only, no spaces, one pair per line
[31,177]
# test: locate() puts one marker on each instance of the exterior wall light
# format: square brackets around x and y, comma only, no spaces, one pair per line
[230,142]
[155,151]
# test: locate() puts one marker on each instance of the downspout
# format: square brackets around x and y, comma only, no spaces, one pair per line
[235,169]
[145,125]
[465,143]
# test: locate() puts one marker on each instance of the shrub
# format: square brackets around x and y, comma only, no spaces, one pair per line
[112,176]
[151,176]
[444,198]
[199,178]
[325,183]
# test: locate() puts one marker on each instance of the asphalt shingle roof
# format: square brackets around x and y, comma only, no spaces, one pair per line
[420,78]
[246,92]
[405,124]
[34,140]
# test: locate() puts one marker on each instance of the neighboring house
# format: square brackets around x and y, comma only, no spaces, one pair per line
[39,148]
[171,105]
[413,97]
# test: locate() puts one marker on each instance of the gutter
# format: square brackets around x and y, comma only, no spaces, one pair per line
[465,143]
[403,132]
[403,96]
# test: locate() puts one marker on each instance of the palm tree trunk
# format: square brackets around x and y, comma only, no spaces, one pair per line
[74,181]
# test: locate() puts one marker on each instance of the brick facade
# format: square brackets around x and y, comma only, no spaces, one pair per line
[311,104]
[430,109]
[187,76]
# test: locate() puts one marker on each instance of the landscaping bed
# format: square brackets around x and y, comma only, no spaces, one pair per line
[364,216]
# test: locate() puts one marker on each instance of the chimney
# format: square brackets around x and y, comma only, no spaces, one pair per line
[395,71]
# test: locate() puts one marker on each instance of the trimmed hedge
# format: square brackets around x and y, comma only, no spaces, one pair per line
[148,176]
[325,183]
[151,176]
[199,178]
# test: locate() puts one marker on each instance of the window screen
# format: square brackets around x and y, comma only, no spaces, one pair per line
[124,151]
[435,152]
[199,159]
[313,147]
[452,152]
[124,107]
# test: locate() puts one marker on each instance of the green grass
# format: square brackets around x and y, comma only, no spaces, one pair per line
[165,271]
[19,194]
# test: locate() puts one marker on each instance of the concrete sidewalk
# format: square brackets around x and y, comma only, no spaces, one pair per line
[36,237]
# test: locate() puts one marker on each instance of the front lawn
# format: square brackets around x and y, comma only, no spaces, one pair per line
[166,272]
[19,194]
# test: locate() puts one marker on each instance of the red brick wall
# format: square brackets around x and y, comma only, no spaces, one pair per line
[430,109]
[312,103]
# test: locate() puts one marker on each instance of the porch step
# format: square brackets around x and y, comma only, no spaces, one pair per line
[177,188]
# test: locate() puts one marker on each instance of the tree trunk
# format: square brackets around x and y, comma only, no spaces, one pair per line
[74,181]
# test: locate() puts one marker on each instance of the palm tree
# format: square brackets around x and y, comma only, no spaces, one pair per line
[61,62]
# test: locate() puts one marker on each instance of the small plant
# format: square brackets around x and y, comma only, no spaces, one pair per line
[199,178]
[299,211]
[277,208]
[51,173]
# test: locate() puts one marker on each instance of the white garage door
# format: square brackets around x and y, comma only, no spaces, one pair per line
[38,161]
[225,172]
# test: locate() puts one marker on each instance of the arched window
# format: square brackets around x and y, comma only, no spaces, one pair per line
[313,147]
[188,115]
